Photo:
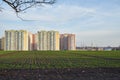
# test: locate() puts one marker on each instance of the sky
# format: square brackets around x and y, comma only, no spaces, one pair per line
[95,22]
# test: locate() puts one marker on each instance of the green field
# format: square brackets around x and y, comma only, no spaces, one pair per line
[58,59]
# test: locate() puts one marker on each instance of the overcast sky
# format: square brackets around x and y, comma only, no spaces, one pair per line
[94,22]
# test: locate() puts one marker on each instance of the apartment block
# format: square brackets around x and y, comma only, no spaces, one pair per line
[42,40]
[48,40]
[22,40]
[0,43]
[16,40]
[67,42]
[34,41]
[53,40]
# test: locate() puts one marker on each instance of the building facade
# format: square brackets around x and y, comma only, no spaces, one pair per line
[48,40]
[67,42]
[0,43]
[21,40]
[53,40]
[34,41]
[42,40]
[16,40]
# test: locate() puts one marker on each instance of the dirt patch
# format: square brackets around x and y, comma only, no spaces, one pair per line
[61,74]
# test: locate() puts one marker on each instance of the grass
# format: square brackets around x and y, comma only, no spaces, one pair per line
[58,59]
[4,52]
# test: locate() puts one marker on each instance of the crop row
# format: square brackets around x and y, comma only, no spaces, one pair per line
[56,59]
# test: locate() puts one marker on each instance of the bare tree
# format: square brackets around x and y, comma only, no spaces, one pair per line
[22,5]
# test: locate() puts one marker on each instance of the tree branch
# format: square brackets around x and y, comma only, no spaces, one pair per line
[22,5]
[0,6]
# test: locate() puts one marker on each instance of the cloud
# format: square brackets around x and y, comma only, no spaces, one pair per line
[59,14]
[67,13]
[8,15]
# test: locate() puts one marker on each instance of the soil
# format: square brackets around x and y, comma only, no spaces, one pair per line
[61,74]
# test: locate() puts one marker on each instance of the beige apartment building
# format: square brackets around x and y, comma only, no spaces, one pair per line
[48,40]
[53,40]
[16,40]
